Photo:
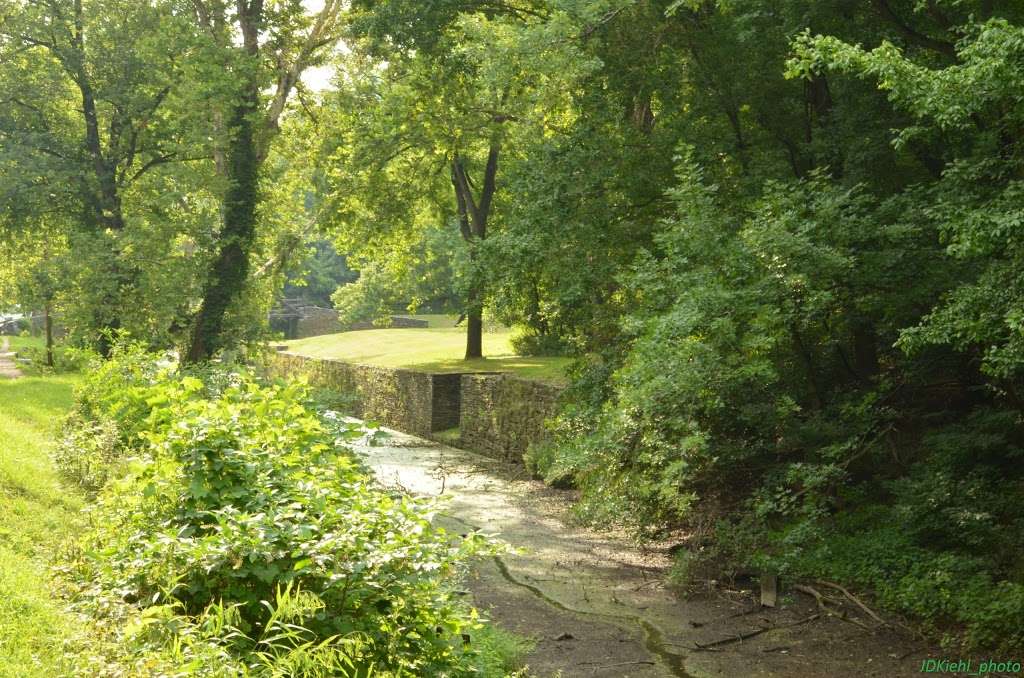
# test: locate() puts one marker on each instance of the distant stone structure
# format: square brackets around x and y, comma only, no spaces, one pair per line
[34,323]
[298,319]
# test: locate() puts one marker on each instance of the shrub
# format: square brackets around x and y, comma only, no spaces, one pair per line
[528,341]
[88,452]
[229,492]
[65,358]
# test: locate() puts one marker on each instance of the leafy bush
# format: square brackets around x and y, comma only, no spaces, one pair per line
[758,380]
[88,452]
[940,543]
[529,341]
[65,358]
[230,499]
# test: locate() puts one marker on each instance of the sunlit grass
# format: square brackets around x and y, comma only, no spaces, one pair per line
[434,319]
[18,343]
[38,516]
[437,349]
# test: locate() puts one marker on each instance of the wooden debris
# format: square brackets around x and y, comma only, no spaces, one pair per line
[750,634]
[769,590]
[856,601]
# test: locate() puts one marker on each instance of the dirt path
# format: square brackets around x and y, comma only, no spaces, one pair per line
[598,606]
[8,368]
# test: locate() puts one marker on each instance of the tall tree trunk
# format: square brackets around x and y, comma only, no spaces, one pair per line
[865,350]
[48,327]
[810,370]
[473,217]
[474,332]
[103,200]
[230,268]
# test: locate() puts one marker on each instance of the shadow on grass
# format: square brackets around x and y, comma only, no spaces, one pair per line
[543,369]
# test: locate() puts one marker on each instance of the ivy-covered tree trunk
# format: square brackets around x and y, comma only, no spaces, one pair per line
[230,267]
[252,126]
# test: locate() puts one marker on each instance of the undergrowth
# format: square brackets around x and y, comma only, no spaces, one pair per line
[232,533]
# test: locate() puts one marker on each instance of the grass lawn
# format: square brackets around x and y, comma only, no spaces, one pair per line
[436,349]
[21,343]
[38,516]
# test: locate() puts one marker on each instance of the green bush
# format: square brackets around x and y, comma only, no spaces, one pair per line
[88,452]
[939,543]
[225,494]
[758,380]
[65,358]
[528,341]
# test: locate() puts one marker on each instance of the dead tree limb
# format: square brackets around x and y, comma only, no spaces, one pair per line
[750,634]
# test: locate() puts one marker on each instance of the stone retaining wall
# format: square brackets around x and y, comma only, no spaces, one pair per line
[400,399]
[323,321]
[497,415]
[501,415]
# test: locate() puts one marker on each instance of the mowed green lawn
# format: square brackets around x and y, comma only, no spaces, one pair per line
[438,348]
[18,343]
[37,517]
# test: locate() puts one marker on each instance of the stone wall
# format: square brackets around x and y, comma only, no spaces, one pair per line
[323,321]
[400,399]
[497,415]
[501,415]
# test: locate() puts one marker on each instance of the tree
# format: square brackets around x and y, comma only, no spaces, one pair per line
[83,122]
[424,114]
[33,259]
[976,202]
[257,46]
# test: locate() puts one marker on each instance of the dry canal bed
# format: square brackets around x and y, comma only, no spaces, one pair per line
[598,606]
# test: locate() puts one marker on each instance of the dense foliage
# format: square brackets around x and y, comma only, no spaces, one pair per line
[782,239]
[819,371]
[233,525]
[788,265]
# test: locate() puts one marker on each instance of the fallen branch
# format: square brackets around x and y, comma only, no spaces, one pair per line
[744,613]
[818,598]
[750,634]
[853,599]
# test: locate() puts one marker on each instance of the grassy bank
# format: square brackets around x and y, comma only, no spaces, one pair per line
[435,349]
[38,517]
